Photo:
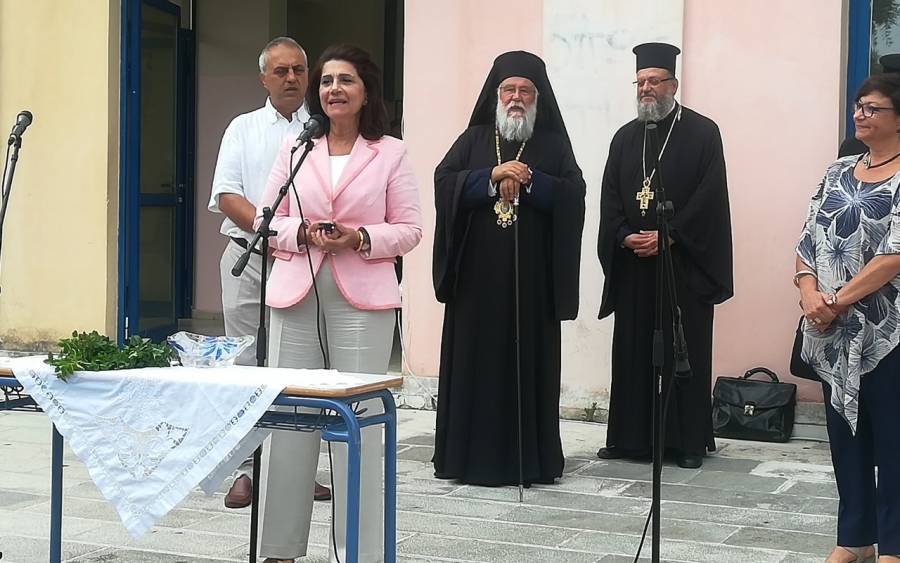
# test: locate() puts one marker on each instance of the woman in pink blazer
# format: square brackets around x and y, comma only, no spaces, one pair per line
[333,292]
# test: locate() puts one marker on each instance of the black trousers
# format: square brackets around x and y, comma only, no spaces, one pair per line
[869,513]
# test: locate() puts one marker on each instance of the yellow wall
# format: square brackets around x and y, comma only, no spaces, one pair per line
[59,258]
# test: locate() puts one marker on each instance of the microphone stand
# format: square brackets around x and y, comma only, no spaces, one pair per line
[665,279]
[16,142]
[262,238]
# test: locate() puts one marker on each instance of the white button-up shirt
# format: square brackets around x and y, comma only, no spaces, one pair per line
[249,147]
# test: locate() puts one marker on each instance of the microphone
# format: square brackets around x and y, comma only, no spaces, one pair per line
[654,145]
[683,370]
[310,130]
[23,120]
[239,266]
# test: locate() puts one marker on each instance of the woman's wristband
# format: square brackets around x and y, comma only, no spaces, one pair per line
[802,273]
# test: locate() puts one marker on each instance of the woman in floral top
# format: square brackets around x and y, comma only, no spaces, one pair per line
[848,261]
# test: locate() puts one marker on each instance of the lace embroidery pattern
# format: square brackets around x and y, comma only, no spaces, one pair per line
[140,460]
[141,451]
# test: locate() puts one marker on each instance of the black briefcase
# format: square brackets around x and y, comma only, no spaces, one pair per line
[748,409]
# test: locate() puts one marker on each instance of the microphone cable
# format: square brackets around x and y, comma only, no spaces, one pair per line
[319,322]
[662,446]
[4,195]
[325,359]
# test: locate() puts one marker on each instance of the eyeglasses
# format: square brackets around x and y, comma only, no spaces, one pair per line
[283,71]
[524,91]
[868,110]
[653,81]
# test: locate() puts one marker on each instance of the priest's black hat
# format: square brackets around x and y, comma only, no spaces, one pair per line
[525,65]
[890,62]
[656,55]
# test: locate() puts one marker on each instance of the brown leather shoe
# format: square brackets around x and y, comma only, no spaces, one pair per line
[322,492]
[240,494]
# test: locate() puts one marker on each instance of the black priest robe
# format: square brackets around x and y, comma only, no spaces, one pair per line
[693,174]
[474,276]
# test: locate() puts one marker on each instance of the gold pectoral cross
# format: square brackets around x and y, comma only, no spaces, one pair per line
[644,196]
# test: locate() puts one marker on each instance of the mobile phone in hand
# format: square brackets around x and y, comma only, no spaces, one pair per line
[327,227]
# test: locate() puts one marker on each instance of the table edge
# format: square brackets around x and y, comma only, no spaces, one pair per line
[308,392]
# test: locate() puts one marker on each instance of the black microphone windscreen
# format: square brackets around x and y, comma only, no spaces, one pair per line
[315,124]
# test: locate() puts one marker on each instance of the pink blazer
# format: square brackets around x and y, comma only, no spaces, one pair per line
[377,190]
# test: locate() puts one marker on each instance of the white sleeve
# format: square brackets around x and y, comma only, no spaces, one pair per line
[228,177]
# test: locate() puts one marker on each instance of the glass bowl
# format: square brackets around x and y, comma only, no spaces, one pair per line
[200,351]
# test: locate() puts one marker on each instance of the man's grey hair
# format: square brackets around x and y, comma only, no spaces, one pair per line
[263,63]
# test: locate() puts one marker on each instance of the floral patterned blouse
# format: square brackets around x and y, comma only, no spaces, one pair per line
[849,223]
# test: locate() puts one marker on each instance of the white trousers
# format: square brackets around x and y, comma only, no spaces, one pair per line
[240,298]
[240,309]
[355,341]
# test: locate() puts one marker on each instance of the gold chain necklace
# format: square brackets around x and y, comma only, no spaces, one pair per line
[645,195]
[504,209]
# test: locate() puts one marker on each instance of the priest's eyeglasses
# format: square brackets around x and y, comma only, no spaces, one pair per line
[524,91]
[654,81]
[868,110]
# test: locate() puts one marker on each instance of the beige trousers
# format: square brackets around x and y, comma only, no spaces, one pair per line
[355,341]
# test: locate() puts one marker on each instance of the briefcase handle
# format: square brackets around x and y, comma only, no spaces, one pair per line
[761,369]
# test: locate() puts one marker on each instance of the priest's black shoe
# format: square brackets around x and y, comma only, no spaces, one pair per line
[622,453]
[686,461]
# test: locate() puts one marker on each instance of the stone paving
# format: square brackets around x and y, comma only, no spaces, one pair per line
[749,503]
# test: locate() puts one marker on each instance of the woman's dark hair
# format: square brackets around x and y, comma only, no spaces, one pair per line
[887,84]
[373,117]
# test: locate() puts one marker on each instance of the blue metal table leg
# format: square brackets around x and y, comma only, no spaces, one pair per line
[56,487]
[254,505]
[390,480]
[354,446]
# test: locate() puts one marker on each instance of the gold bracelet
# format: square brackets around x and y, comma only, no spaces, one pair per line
[362,241]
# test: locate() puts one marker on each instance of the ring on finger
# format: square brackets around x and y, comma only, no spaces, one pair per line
[817,321]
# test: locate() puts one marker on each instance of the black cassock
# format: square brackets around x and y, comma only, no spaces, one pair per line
[693,175]
[476,435]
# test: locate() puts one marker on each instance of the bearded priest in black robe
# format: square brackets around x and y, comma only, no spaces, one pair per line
[692,169]
[516,145]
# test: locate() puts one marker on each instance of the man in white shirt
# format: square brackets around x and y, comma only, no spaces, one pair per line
[246,154]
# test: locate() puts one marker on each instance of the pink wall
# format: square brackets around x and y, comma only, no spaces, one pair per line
[769,73]
[448,53]
[220,99]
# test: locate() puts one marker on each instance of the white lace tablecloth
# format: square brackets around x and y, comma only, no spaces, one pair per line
[150,436]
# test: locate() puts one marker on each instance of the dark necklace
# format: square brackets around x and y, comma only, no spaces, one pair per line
[867,161]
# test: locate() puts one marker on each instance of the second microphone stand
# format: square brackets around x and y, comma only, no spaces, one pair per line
[262,238]
[665,283]
[15,141]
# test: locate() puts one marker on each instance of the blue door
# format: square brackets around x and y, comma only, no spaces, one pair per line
[154,288]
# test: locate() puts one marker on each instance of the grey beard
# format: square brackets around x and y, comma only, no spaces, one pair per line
[657,110]
[516,128]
